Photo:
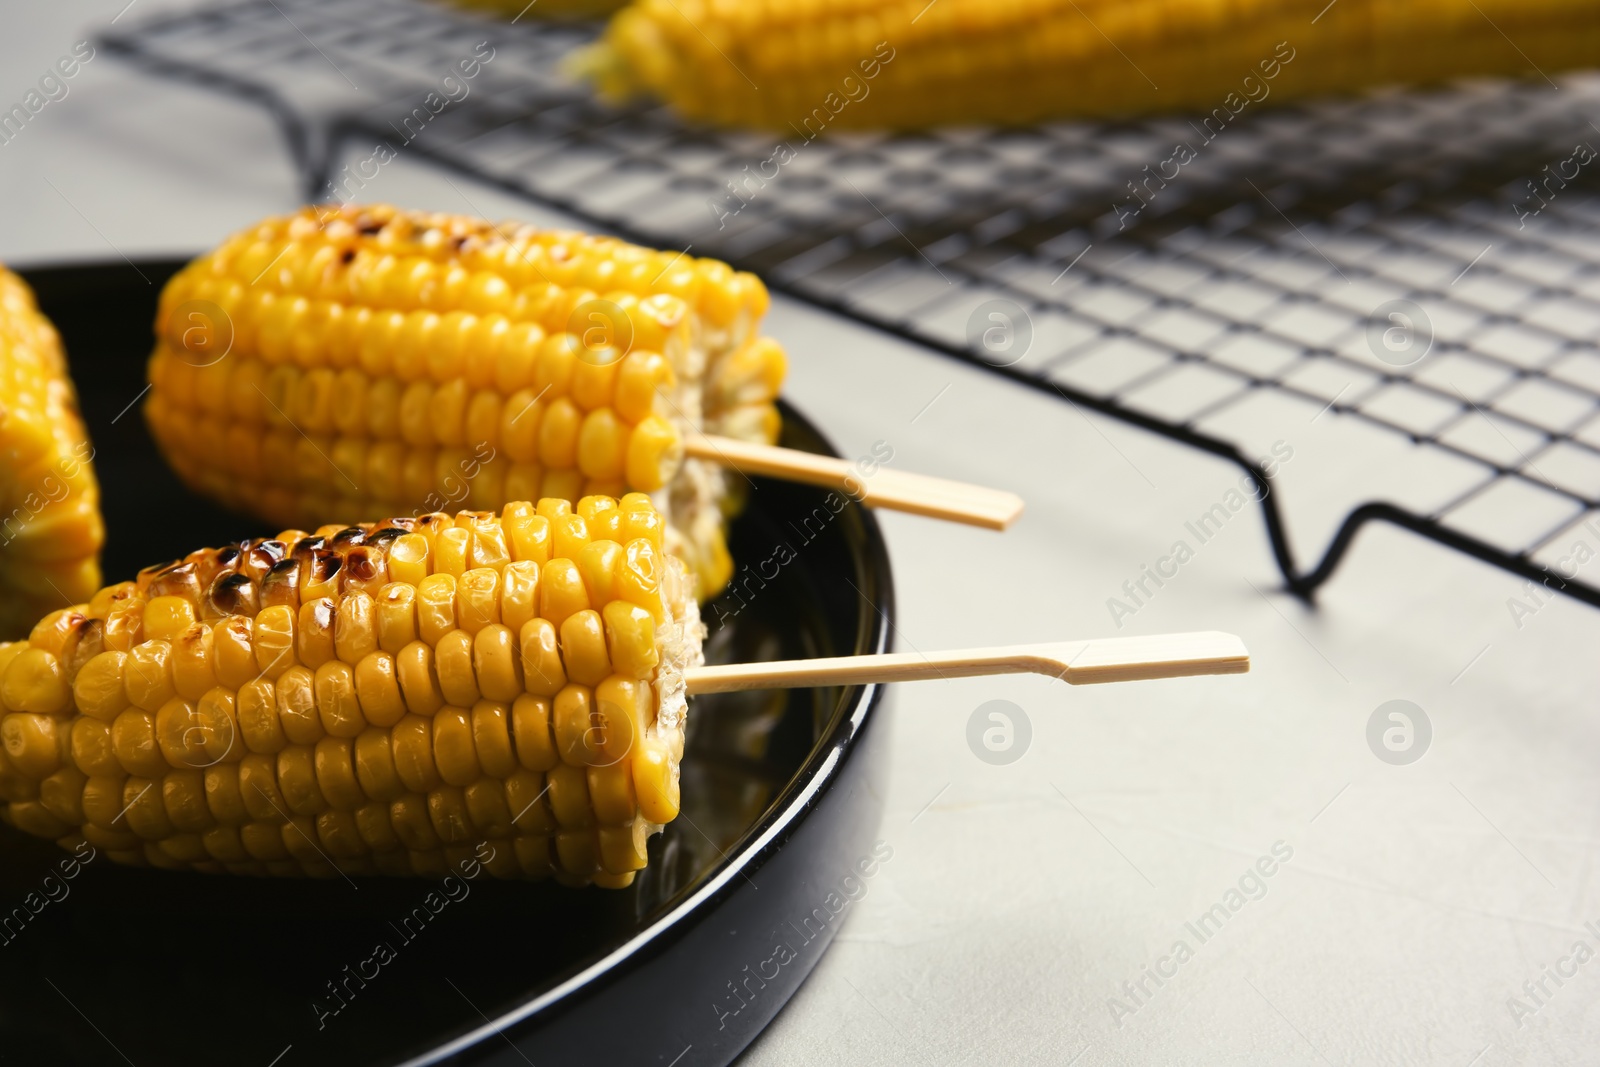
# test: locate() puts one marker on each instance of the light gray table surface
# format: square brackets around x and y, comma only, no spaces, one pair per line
[1418,899]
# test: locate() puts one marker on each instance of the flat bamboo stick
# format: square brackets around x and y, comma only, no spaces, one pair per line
[919,494]
[1115,659]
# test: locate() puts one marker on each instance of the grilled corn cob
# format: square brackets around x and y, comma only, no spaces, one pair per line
[372,699]
[858,64]
[50,529]
[386,362]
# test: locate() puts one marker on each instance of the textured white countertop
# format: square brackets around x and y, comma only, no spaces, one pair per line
[1415,900]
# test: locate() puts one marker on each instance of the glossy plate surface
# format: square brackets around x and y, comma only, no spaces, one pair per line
[743,891]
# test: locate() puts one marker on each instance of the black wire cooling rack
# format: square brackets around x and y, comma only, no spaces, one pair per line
[1418,267]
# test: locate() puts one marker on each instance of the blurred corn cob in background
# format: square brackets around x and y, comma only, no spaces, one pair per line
[385,362]
[50,525]
[374,699]
[810,65]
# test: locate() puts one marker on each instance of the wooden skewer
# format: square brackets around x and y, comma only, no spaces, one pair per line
[919,494]
[1115,659]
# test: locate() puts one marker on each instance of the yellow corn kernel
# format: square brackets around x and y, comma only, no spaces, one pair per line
[61,794]
[375,766]
[583,648]
[531,731]
[296,694]
[580,727]
[604,443]
[622,848]
[542,668]
[133,737]
[92,750]
[258,785]
[525,792]
[31,743]
[487,808]
[355,628]
[143,810]
[377,832]
[491,735]
[569,536]
[457,680]
[447,809]
[98,690]
[630,639]
[521,424]
[655,452]
[411,744]
[378,689]
[561,591]
[436,607]
[640,378]
[419,681]
[225,795]
[297,779]
[558,435]
[638,576]
[451,549]
[334,760]
[655,781]
[453,751]
[519,594]
[497,663]
[337,704]
[273,638]
[530,537]
[233,655]
[624,707]
[34,681]
[183,793]
[408,559]
[478,599]
[409,817]
[192,671]
[568,794]
[397,614]
[611,794]
[314,633]
[578,853]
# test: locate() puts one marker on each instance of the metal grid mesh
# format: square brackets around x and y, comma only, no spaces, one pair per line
[1250,279]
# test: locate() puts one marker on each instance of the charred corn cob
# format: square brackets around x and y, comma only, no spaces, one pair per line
[858,64]
[50,531]
[386,362]
[373,699]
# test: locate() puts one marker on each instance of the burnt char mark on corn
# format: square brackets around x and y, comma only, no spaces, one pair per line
[375,702]
[234,594]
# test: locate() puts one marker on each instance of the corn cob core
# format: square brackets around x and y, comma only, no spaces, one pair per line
[50,528]
[383,362]
[372,699]
[815,65]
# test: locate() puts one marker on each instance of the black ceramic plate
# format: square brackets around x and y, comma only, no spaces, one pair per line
[743,891]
